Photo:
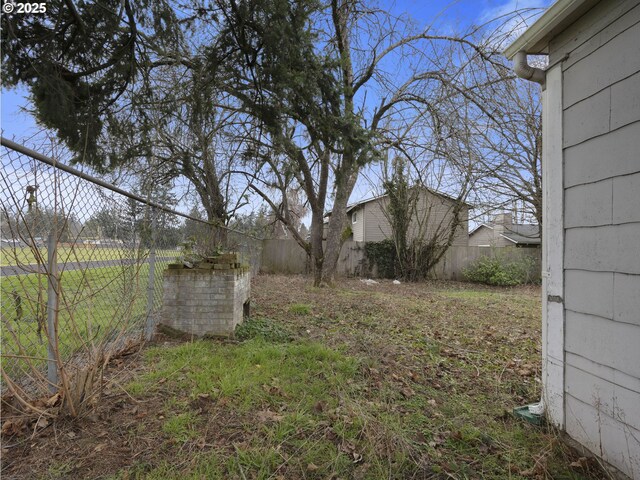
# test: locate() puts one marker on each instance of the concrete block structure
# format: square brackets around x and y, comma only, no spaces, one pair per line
[210,299]
[591,227]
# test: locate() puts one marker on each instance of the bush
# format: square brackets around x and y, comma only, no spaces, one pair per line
[413,264]
[501,271]
[382,254]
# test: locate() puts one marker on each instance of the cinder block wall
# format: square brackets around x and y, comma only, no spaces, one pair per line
[205,301]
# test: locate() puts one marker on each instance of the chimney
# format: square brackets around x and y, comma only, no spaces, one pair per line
[502,219]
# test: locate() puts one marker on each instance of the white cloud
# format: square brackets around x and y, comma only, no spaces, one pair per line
[505,8]
[512,18]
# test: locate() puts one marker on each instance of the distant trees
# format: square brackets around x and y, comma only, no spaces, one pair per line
[105,223]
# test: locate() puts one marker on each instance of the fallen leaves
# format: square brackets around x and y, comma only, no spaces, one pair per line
[581,463]
[51,402]
[268,416]
[407,392]
[422,391]
[12,427]
[349,448]
[41,423]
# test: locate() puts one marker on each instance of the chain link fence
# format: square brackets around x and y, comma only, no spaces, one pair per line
[82,266]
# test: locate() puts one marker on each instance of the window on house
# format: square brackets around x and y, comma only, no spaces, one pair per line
[354,217]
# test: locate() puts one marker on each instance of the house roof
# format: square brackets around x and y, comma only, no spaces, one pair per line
[553,21]
[520,233]
[354,205]
[479,227]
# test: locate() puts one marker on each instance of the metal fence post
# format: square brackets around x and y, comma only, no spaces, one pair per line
[150,323]
[52,307]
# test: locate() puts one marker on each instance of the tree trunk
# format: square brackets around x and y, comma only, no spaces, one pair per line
[344,187]
[317,256]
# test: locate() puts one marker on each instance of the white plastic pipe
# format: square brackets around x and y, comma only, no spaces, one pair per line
[523,70]
[526,71]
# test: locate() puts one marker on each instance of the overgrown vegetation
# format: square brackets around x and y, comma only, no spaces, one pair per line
[263,328]
[374,382]
[319,68]
[381,255]
[423,223]
[384,257]
[502,270]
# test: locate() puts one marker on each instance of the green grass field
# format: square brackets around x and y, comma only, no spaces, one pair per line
[95,304]
[26,256]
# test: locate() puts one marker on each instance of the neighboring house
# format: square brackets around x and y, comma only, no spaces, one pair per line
[502,232]
[591,229]
[369,221]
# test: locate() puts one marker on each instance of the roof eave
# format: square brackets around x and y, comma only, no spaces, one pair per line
[353,206]
[557,17]
[479,227]
[517,242]
[509,238]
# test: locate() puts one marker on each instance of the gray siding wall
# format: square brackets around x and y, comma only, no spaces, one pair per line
[434,211]
[358,227]
[601,142]
[481,237]
[486,236]
[376,225]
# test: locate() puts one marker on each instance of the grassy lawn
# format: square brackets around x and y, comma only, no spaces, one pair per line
[353,382]
[96,304]
[26,256]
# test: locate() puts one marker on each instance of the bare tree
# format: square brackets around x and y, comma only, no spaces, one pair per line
[317,82]
[428,185]
[511,144]
[188,136]
[322,104]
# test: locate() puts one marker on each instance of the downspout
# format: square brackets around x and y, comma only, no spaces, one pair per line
[526,71]
[534,412]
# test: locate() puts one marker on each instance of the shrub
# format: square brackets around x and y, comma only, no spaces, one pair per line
[412,264]
[382,254]
[501,271]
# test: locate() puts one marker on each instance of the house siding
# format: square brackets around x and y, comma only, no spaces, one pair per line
[481,237]
[601,173]
[376,225]
[435,209]
[358,227]
[496,236]
[499,240]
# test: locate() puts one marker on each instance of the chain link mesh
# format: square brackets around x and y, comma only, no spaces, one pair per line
[82,269]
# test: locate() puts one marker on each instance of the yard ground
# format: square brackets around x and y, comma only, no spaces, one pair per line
[352,382]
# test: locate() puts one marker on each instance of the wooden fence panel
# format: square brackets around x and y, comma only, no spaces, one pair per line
[283,256]
[286,256]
